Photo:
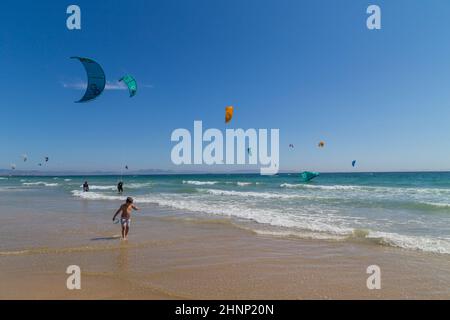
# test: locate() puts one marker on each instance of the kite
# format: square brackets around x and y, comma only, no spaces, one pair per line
[46,159]
[228,113]
[40,164]
[126,167]
[131,84]
[321,144]
[291,145]
[13,166]
[25,157]
[96,79]
[353,163]
[307,175]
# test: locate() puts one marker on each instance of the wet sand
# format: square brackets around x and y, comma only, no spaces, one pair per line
[168,256]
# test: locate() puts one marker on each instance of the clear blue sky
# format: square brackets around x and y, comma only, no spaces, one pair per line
[310,68]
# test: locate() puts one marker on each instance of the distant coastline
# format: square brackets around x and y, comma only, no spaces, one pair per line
[150,172]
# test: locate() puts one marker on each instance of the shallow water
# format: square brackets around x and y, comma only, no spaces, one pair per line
[407,210]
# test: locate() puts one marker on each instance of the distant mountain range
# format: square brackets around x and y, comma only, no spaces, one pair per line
[8,172]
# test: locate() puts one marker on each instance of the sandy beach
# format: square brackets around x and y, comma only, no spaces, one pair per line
[173,256]
[277,150]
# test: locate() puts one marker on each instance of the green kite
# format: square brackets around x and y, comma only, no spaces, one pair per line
[131,84]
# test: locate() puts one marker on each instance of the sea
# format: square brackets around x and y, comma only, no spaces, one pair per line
[405,210]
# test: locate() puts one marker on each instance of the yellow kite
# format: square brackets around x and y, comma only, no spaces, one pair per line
[228,113]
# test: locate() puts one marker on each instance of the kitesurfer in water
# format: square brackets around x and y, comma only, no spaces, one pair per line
[125,217]
[85,186]
[120,187]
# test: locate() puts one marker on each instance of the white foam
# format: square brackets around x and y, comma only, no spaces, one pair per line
[200,183]
[299,234]
[266,216]
[434,245]
[306,186]
[96,196]
[381,189]
[194,204]
[437,204]
[40,183]
[322,225]
[96,187]
[243,184]
[114,187]
[313,221]
[265,195]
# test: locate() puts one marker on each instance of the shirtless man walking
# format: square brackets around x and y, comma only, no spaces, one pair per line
[125,218]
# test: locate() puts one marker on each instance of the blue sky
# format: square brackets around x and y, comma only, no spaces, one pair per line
[310,68]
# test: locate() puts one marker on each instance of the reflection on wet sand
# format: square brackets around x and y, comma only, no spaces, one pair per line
[122,260]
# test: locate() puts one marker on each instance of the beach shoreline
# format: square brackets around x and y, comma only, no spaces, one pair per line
[227,237]
[173,257]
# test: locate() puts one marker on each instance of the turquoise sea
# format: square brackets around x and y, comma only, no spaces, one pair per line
[406,210]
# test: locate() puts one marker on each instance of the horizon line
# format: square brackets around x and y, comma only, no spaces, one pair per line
[170,172]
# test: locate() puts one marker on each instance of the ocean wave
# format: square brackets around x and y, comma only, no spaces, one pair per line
[246,194]
[322,187]
[40,183]
[96,187]
[137,185]
[3,178]
[200,183]
[67,180]
[298,234]
[194,204]
[307,221]
[380,189]
[114,187]
[240,183]
[96,196]
[263,216]
[434,245]
[436,204]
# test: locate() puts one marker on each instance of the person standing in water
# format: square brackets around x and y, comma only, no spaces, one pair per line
[120,187]
[125,218]
[85,186]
